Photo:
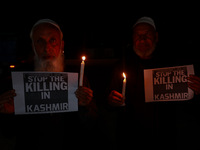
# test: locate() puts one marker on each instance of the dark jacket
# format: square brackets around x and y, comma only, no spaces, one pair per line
[148,125]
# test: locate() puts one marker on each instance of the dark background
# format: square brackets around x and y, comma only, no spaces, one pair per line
[101,30]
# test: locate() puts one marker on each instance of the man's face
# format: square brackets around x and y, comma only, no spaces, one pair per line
[48,46]
[47,41]
[144,40]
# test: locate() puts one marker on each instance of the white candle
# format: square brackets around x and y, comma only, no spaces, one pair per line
[82,71]
[124,86]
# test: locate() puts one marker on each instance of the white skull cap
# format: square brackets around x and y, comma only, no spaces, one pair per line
[46,21]
[146,20]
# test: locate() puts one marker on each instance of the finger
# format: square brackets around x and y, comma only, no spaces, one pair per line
[117,94]
[8,100]
[194,87]
[10,93]
[116,102]
[194,81]
[115,98]
[84,95]
[83,101]
[9,107]
[194,78]
[84,92]
[7,96]
[85,89]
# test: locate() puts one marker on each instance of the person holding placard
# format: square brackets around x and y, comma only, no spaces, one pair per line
[51,130]
[141,124]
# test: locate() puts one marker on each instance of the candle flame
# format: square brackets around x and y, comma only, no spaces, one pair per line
[83,58]
[124,75]
[12,66]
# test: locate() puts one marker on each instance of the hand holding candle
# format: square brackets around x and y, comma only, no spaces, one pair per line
[82,71]
[116,98]
[124,86]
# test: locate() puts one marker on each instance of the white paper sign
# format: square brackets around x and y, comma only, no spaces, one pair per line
[45,92]
[168,84]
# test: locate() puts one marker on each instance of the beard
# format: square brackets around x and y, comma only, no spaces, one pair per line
[50,65]
[144,54]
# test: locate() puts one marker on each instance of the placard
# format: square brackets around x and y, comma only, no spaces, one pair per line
[168,84]
[45,92]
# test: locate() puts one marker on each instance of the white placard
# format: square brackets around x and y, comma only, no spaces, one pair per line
[45,92]
[168,84]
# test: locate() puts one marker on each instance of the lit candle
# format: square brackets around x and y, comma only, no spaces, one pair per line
[124,85]
[12,66]
[82,71]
